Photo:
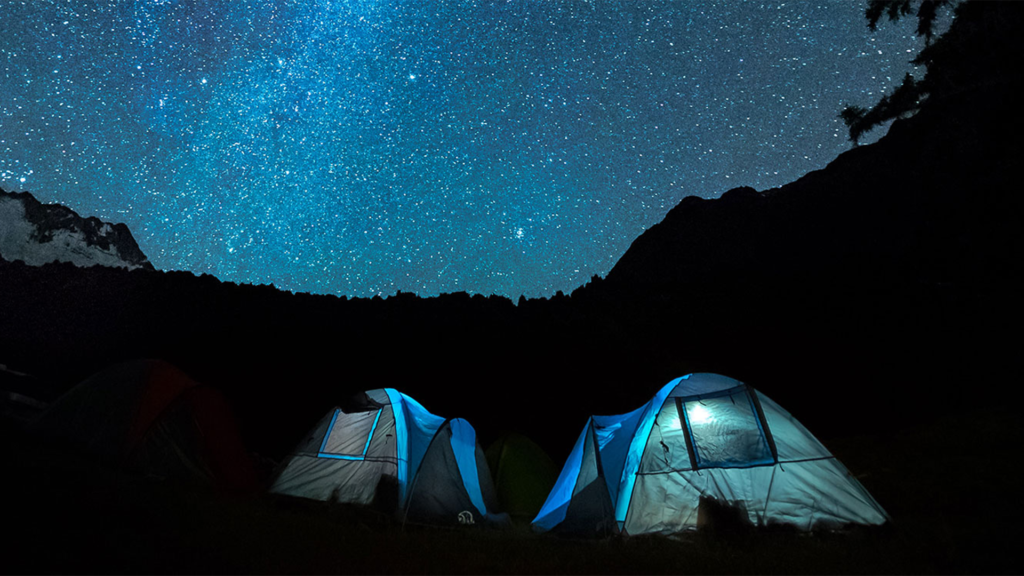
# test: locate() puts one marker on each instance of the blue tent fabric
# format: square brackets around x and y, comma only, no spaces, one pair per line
[705,436]
[452,484]
[415,427]
[618,439]
[636,450]
[614,436]
[464,447]
[553,511]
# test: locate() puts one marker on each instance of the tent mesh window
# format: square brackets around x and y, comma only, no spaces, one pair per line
[724,430]
[348,436]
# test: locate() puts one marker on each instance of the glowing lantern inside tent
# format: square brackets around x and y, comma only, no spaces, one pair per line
[698,414]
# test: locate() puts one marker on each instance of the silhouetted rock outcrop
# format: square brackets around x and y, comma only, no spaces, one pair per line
[935,201]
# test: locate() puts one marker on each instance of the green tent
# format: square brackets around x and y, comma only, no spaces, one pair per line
[523,475]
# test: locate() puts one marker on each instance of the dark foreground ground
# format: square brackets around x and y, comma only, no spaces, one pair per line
[950,486]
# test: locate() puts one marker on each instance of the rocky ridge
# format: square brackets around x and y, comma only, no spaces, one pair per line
[38,234]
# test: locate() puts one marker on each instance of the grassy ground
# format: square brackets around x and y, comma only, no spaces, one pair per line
[950,487]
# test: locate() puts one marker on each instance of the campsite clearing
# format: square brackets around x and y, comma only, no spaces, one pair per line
[945,486]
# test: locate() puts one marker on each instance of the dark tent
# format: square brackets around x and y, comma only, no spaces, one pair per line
[149,416]
[523,475]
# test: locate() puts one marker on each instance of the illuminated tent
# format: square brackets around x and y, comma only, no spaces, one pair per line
[388,451]
[703,436]
[149,416]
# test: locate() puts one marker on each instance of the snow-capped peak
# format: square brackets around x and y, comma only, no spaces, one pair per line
[38,233]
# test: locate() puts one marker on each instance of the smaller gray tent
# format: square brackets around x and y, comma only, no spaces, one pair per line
[387,450]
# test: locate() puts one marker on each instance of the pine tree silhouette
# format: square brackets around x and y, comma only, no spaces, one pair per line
[927,13]
[980,48]
[906,98]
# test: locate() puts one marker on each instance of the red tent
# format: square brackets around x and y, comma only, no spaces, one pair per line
[150,416]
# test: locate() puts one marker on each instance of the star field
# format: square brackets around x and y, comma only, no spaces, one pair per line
[366,146]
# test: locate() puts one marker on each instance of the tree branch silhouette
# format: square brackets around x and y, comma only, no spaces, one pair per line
[908,96]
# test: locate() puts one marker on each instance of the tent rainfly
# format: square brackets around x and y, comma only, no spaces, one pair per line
[388,451]
[703,436]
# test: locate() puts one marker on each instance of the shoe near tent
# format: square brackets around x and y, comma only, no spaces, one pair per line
[523,475]
[703,436]
[149,416]
[388,451]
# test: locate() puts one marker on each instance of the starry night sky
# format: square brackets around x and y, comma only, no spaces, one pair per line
[366,146]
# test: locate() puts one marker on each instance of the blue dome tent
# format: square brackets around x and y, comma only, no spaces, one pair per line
[702,436]
[387,448]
